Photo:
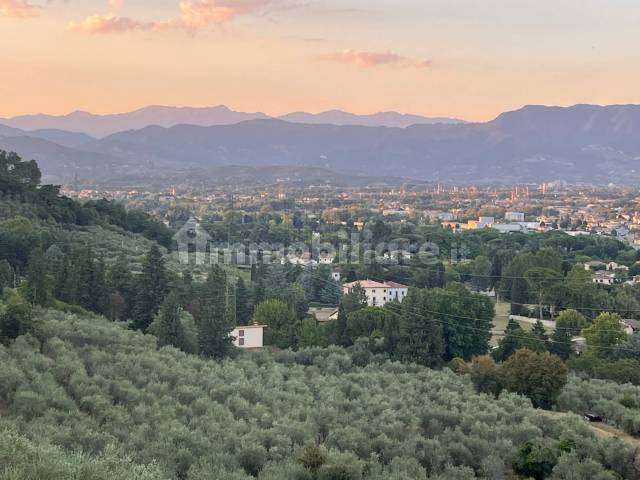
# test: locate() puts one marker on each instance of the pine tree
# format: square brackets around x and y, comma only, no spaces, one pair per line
[340,334]
[170,329]
[151,289]
[539,332]
[354,300]
[38,284]
[6,275]
[98,287]
[330,293]
[243,303]
[215,326]
[120,285]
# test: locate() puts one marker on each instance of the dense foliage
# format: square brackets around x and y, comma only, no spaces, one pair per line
[84,385]
[617,404]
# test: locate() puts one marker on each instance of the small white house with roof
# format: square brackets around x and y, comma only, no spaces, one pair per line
[248,336]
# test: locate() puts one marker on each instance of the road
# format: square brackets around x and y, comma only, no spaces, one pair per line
[601,430]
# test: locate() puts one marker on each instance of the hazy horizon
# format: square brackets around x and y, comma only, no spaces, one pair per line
[462,59]
[310,112]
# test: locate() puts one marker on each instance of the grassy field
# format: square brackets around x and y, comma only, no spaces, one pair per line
[500,322]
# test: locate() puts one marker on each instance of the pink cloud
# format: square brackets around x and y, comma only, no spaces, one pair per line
[371,59]
[104,24]
[18,9]
[423,63]
[194,15]
[202,13]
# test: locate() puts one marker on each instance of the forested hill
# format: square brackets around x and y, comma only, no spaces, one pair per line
[81,397]
[22,194]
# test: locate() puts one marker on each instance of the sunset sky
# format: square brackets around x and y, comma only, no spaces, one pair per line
[462,58]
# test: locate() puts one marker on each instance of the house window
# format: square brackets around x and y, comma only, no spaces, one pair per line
[241,333]
[241,341]
[374,300]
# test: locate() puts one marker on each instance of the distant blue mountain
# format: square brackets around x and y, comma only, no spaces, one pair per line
[103,125]
[583,143]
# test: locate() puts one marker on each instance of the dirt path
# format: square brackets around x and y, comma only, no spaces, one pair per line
[601,430]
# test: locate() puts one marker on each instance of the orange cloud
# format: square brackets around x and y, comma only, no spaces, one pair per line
[18,9]
[194,15]
[201,13]
[371,59]
[103,24]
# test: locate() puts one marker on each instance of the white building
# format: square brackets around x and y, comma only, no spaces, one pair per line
[484,222]
[336,273]
[616,266]
[509,227]
[603,278]
[248,336]
[325,258]
[514,217]
[396,291]
[378,294]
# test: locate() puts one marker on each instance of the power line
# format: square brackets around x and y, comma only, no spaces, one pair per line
[498,334]
[473,298]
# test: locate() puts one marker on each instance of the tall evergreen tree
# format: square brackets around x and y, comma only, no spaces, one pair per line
[243,303]
[6,275]
[339,334]
[120,284]
[421,338]
[330,292]
[170,330]
[151,289]
[354,300]
[516,338]
[539,332]
[98,287]
[215,326]
[38,284]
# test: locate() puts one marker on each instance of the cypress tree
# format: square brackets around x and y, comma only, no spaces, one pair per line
[6,275]
[170,329]
[151,289]
[38,285]
[215,325]
[243,303]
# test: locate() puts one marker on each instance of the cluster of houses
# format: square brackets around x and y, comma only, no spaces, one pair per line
[377,293]
[609,273]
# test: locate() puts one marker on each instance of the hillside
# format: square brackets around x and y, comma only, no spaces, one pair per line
[584,143]
[91,386]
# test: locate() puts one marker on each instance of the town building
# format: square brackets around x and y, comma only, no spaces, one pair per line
[514,217]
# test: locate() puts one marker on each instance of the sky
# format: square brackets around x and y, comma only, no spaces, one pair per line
[470,59]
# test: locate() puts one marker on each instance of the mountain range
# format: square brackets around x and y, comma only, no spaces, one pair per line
[99,126]
[583,143]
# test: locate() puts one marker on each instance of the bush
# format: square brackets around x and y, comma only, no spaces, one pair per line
[252,460]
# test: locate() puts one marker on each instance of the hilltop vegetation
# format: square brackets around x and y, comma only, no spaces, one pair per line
[83,385]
